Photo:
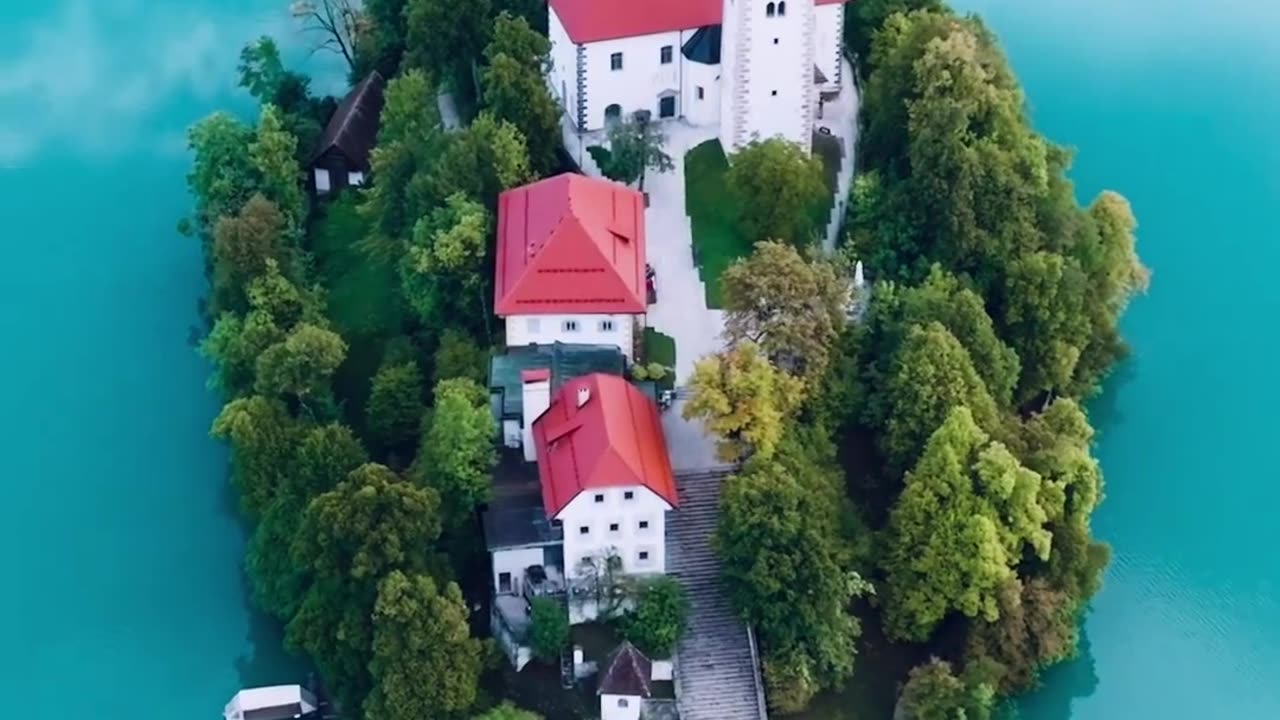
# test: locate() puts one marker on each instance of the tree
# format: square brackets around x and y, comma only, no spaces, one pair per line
[274,155]
[243,245]
[933,692]
[443,268]
[793,308]
[548,629]
[635,147]
[458,356]
[930,375]
[743,399]
[658,620]
[382,41]
[261,69]
[599,585]
[302,365]
[262,436]
[1037,627]
[866,18]
[457,452]
[393,413]
[481,160]
[350,538]
[515,89]
[222,177]
[507,711]
[408,140]
[1045,319]
[968,513]
[445,38]
[778,185]
[425,664]
[338,23]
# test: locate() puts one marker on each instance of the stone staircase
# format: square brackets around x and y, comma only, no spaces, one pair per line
[717,667]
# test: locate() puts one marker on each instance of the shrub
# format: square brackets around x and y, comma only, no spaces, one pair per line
[548,628]
[658,620]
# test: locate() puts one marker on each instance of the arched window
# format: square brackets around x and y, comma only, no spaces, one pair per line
[782,8]
[769,10]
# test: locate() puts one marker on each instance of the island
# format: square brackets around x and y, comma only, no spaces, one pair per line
[656,360]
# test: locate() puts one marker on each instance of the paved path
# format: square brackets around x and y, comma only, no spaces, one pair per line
[716,661]
[841,117]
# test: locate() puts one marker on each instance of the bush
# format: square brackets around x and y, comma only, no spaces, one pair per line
[548,628]
[658,621]
[789,682]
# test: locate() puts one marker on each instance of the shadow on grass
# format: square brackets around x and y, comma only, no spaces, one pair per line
[714,213]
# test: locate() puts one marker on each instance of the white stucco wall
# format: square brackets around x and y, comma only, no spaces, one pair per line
[627,541]
[705,110]
[514,561]
[547,329]
[830,37]
[642,79]
[612,709]
[564,66]
[512,434]
[774,76]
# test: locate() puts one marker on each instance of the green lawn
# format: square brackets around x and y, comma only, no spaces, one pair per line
[661,348]
[363,297]
[714,214]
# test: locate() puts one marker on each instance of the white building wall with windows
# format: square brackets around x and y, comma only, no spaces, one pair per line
[618,329]
[563,76]
[629,522]
[768,88]
[701,94]
[620,707]
[509,565]
[830,42]
[629,74]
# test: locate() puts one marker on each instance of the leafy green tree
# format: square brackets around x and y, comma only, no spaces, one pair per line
[793,308]
[1037,627]
[262,436]
[743,399]
[933,692]
[261,69]
[302,365]
[425,663]
[243,245]
[865,18]
[222,176]
[778,184]
[967,515]
[457,452]
[274,156]
[458,356]
[394,411]
[515,89]
[445,38]
[481,160]
[408,144]
[931,374]
[548,628]
[443,269]
[1045,319]
[382,42]
[658,620]
[507,711]
[327,455]
[263,74]
[350,538]
[635,147]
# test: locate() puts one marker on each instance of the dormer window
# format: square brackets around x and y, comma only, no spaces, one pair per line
[770,10]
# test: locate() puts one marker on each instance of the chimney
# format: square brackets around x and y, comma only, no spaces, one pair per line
[584,395]
[536,395]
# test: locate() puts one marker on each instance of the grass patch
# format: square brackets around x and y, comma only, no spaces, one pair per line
[714,214]
[661,349]
[364,301]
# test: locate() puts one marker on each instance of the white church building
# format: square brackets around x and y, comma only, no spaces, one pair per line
[754,68]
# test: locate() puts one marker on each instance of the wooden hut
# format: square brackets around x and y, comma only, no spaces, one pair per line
[341,159]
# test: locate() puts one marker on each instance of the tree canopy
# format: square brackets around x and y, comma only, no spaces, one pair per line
[515,89]
[743,399]
[457,451]
[778,185]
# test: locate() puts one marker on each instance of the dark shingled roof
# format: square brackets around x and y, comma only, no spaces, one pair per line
[704,46]
[628,674]
[565,360]
[353,129]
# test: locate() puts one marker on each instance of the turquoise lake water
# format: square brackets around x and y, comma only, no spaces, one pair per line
[124,598]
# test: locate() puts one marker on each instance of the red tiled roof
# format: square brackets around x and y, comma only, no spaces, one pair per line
[570,244]
[592,20]
[613,440]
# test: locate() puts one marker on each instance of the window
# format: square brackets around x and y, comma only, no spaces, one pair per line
[599,497]
[322,181]
[665,55]
[782,8]
[613,527]
[606,326]
[622,702]
[775,41]
[355,179]
[504,582]
[615,61]
[770,9]
[584,530]
[533,325]
[700,92]
[643,556]
[629,495]
[644,524]
[774,93]
[572,325]
[667,106]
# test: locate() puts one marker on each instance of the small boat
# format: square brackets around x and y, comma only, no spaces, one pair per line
[277,702]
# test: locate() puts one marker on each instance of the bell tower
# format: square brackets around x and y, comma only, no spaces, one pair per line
[767,71]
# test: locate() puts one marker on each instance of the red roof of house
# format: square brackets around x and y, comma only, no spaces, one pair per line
[592,20]
[570,244]
[614,439]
